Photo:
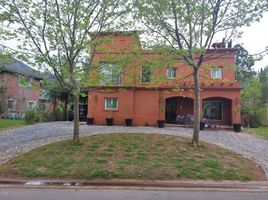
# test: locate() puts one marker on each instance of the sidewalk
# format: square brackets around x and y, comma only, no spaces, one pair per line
[252,186]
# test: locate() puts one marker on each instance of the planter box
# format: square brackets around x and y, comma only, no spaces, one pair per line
[109,121]
[128,122]
[90,120]
[202,125]
[237,127]
[161,123]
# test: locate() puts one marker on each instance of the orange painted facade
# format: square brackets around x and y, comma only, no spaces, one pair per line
[162,98]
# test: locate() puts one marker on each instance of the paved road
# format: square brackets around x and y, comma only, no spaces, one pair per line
[112,194]
[17,141]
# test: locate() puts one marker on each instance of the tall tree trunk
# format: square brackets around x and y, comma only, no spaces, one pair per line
[196,130]
[54,105]
[65,109]
[76,117]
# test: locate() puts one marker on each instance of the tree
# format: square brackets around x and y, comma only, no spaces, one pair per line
[263,78]
[244,63]
[55,35]
[251,101]
[188,27]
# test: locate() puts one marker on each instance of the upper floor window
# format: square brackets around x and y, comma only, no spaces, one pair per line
[43,95]
[11,104]
[171,72]
[216,72]
[146,73]
[25,81]
[111,74]
[111,103]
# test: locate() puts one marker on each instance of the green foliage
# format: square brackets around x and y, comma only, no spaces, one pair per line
[188,27]
[31,116]
[57,35]
[263,78]
[133,156]
[262,131]
[251,106]
[254,98]
[10,123]
[244,63]
[59,113]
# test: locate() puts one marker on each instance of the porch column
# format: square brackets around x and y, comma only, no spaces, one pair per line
[161,106]
[236,112]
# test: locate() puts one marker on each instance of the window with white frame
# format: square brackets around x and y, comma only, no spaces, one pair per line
[31,104]
[146,73]
[216,72]
[171,72]
[111,74]
[43,94]
[11,104]
[111,103]
[25,81]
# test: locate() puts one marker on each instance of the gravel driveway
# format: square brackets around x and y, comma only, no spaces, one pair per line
[16,141]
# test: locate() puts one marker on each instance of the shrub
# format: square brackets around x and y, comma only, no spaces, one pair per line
[59,113]
[30,116]
[40,115]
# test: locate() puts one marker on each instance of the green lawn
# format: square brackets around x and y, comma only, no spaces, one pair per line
[262,131]
[132,156]
[8,123]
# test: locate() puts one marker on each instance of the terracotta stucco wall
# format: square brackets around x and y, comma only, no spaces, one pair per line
[148,105]
[144,106]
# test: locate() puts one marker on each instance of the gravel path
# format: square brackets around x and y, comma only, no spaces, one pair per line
[16,141]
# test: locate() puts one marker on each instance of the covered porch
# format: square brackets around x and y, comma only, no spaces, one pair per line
[217,111]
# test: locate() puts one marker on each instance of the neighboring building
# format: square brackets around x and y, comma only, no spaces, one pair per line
[20,88]
[147,86]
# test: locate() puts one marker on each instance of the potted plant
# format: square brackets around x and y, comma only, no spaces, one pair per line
[237,126]
[128,120]
[109,120]
[90,120]
[202,122]
[161,123]
[202,125]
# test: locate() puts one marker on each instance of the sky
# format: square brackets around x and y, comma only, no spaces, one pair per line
[255,39]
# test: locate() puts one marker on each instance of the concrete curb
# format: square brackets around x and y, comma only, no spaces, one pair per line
[252,186]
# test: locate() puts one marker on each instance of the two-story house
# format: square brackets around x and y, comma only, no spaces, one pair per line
[146,86]
[20,88]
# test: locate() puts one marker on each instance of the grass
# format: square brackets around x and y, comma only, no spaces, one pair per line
[132,156]
[262,131]
[8,123]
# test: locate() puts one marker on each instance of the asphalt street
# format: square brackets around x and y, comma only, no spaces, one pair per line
[120,194]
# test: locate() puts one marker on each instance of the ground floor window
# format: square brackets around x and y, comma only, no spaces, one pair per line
[11,104]
[212,110]
[111,103]
[42,106]
[31,104]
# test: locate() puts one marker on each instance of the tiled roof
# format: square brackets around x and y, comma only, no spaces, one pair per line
[15,66]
